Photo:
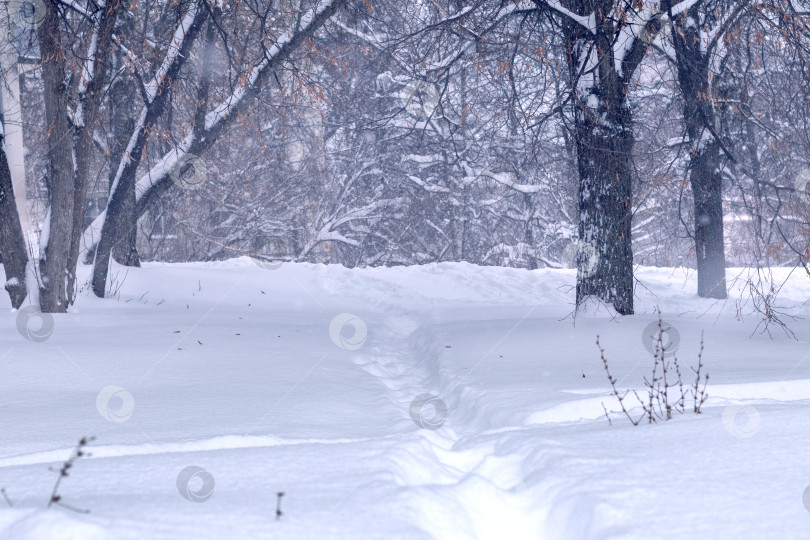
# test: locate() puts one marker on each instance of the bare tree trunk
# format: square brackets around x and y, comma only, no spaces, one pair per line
[117,224]
[54,297]
[604,161]
[122,121]
[12,241]
[13,130]
[705,173]
[90,92]
[706,182]
[125,252]
[528,232]
[603,129]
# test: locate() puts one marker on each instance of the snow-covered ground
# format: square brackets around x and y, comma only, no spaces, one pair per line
[307,379]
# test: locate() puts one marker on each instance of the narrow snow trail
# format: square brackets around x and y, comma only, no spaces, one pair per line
[451,486]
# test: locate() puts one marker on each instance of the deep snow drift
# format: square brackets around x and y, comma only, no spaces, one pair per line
[442,401]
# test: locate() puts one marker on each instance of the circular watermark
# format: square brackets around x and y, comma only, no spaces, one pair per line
[27,13]
[280,255]
[34,325]
[664,24]
[806,498]
[195,484]
[428,411]
[420,98]
[115,404]
[670,338]
[267,263]
[582,256]
[802,185]
[189,172]
[348,331]
[741,421]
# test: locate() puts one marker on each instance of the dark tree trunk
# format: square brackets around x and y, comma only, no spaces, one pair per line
[115,231]
[528,232]
[604,161]
[12,240]
[706,181]
[705,171]
[125,252]
[54,297]
[89,102]
[122,121]
[603,129]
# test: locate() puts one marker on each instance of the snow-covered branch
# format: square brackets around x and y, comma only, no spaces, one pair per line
[173,56]
[587,22]
[220,117]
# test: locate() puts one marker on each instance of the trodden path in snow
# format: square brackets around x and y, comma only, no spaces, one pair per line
[306,379]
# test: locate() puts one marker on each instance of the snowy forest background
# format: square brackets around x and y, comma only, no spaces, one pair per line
[406,132]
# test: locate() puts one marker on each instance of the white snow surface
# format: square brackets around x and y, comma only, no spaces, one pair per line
[231,367]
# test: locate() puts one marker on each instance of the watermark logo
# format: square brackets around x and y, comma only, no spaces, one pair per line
[348,331]
[428,411]
[741,421]
[664,24]
[195,484]
[280,255]
[115,404]
[670,338]
[582,256]
[27,14]
[802,185]
[420,98]
[189,172]
[806,498]
[34,325]
[267,263]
